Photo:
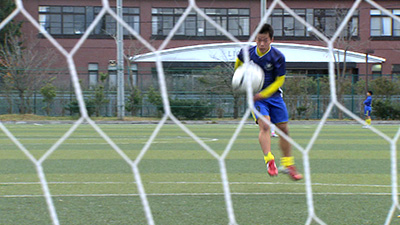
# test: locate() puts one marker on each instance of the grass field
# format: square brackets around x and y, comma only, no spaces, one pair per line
[92,184]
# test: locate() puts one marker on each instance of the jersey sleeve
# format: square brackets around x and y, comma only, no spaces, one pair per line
[280,71]
[272,88]
[368,101]
[238,63]
[239,59]
[280,66]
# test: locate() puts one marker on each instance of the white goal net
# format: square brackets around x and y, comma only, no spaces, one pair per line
[168,115]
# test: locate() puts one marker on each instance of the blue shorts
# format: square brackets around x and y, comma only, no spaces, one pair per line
[367,110]
[273,107]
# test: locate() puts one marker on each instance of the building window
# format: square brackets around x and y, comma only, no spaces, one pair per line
[383,25]
[286,26]
[396,69]
[112,73]
[235,21]
[62,19]
[93,69]
[108,25]
[325,20]
[376,69]
[74,20]
[134,74]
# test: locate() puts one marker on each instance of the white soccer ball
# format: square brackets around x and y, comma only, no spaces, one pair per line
[250,72]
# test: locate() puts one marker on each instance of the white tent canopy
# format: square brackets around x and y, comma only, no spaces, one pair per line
[227,52]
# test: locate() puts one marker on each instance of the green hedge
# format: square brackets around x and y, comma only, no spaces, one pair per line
[190,109]
[73,107]
[385,109]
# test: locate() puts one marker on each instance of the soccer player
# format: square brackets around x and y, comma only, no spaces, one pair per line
[269,101]
[368,109]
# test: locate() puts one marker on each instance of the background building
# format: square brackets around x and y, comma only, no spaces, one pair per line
[371,36]
[368,30]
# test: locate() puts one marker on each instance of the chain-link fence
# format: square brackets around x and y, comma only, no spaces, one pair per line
[306,96]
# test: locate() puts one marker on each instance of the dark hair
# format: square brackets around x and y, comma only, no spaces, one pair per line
[267,29]
[370,92]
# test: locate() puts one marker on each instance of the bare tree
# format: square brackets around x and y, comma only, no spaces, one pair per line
[346,41]
[218,80]
[135,97]
[297,93]
[24,67]
[14,27]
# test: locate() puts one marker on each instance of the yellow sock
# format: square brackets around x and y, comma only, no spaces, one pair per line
[368,121]
[287,161]
[268,157]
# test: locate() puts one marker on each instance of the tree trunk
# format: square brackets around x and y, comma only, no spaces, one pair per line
[235,106]
[10,102]
[340,100]
[22,102]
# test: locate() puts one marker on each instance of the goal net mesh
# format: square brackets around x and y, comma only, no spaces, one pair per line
[168,115]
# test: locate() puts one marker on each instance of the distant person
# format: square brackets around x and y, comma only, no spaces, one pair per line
[273,134]
[269,101]
[368,109]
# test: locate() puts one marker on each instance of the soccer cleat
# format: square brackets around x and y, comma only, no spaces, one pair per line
[292,172]
[271,168]
[274,135]
[366,126]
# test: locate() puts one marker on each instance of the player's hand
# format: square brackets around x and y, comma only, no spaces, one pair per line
[257,97]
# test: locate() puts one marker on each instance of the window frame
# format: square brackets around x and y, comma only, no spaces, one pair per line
[280,17]
[377,18]
[45,12]
[200,28]
[108,22]
[93,72]
[62,13]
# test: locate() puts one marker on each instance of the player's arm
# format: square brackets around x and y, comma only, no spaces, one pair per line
[238,63]
[271,89]
[367,101]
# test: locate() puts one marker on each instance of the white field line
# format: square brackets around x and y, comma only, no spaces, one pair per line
[161,140]
[198,194]
[186,182]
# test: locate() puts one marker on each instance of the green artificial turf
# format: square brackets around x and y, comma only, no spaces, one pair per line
[91,183]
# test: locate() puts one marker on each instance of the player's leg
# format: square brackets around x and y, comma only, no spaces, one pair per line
[272,128]
[369,116]
[283,143]
[287,160]
[264,138]
[265,142]
[367,122]
[273,134]
[367,113]
[280,117]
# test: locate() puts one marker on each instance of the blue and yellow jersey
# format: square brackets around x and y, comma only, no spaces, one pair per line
[274,66]
[368,101]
